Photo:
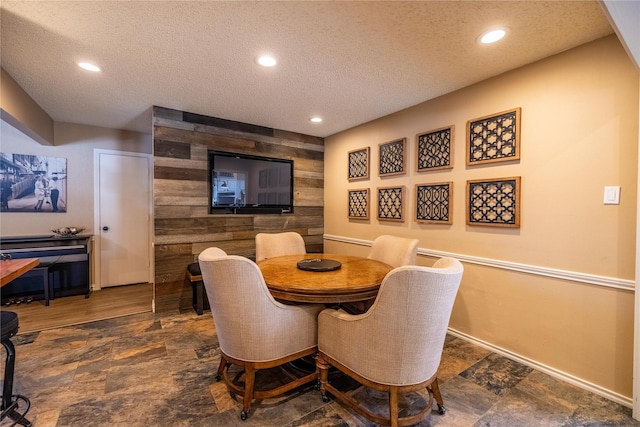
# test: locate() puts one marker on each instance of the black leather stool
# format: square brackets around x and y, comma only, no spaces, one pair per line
[199,295]
[11,402]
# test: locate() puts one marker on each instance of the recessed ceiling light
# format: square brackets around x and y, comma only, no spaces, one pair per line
[89,67]
[315,119]
[266,61]
[493,36]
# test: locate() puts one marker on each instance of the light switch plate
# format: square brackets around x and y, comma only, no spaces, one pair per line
[612,195]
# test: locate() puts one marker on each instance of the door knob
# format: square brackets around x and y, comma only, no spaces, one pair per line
[105,228]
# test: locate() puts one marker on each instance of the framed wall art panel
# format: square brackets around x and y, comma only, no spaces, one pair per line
[494,138]
[494,202]
[434,203]
[393,158]
[434,149]
[359,203]
[31,183]
[359,164]
[391,203]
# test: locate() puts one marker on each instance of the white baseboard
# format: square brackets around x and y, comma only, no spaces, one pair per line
[578,382]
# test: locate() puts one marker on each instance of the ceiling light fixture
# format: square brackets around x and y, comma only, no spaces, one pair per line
[89,67]
[315,119]
[266,61]
[493,36]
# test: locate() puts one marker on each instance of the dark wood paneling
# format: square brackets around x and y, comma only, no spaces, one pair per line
[310,211]
[315,248]
[217,142]
[166,113]
[164,172]
[287,152]
[308,183]
[206,225]
[176,150]
[175,298]
[181,211]
[226,124]
[293,136]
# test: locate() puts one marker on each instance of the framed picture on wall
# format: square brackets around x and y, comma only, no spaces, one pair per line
[494,202]
[391,203]
[359,164]
[434,203]
[30,183]
[434,149]
[359,203]
[392,160]
[494,138]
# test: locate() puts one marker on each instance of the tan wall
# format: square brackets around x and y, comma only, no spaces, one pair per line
[76,143]
[22,112]
[579,134]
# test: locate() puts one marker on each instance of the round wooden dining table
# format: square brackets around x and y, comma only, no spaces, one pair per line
[357,279]
[13,268]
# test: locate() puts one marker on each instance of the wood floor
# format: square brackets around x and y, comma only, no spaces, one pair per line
[106,303]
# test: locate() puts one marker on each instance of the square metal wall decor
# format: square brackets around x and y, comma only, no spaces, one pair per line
[359,164]
[434,203]
[393,158]
[391,203]
[434,149]
[494,138]
[359,203]
[494,202]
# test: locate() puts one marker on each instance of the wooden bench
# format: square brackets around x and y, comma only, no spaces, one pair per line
[199,295]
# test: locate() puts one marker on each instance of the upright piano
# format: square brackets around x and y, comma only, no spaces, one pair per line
[67,261]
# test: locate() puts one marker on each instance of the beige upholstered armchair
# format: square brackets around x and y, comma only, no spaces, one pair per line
[395,251]
[269,245]
[397,344]
[392,250]
[254,330]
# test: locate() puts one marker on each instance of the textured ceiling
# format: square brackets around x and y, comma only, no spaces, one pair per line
[349,61]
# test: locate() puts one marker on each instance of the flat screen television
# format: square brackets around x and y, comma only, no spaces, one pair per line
[247,184]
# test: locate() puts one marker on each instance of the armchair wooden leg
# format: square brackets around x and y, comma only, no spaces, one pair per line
[393,406]
[249,384]
[223,364]
[323,376]
[435,390]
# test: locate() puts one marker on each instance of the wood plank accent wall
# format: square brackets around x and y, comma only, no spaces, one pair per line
[183,226]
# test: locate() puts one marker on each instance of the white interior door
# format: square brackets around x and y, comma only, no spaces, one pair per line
[123,225]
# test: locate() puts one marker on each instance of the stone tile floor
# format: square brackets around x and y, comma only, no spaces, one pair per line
[158,370]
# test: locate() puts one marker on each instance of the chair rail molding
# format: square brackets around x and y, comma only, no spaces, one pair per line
[573,276]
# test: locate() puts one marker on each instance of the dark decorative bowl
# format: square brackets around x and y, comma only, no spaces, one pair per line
[68,231]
